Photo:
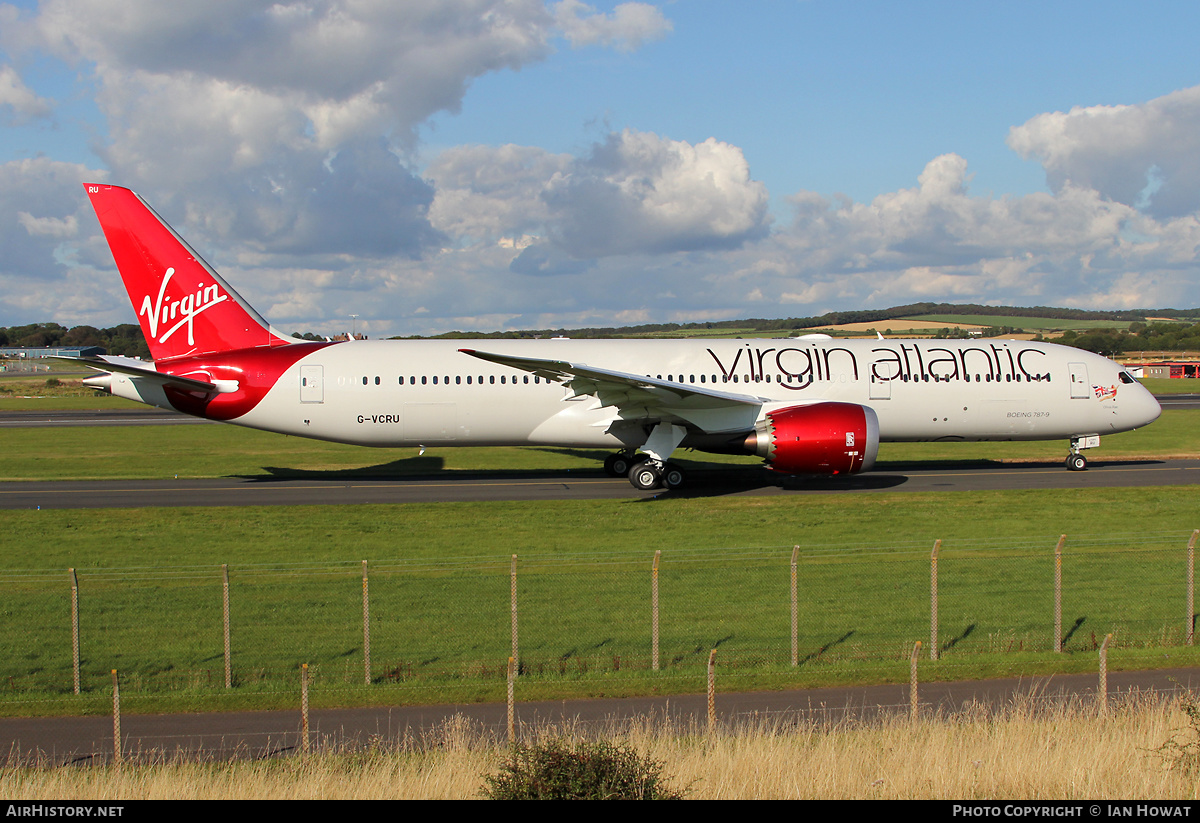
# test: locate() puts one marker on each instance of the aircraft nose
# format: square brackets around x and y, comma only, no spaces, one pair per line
[1148,409]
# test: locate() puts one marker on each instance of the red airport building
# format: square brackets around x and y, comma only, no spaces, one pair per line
[1165,368]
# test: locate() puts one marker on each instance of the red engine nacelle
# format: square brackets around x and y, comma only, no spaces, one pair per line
[822,438]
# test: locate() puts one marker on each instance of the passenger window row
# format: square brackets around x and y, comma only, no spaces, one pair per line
[470,380]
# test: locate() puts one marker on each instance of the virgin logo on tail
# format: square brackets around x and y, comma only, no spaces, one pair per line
[164,311]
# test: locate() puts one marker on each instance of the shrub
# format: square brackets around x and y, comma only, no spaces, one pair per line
[1182,751]
[555,770]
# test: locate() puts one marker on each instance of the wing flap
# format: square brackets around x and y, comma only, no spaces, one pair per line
[637,396]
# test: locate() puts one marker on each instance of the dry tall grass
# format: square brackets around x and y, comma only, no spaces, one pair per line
[1024,752]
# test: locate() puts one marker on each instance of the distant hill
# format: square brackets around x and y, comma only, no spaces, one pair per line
[938,314]
[1108,332]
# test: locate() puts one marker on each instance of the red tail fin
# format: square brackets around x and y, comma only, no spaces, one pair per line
[183,305]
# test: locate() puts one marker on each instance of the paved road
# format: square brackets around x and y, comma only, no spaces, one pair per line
[326,488]
[264,734]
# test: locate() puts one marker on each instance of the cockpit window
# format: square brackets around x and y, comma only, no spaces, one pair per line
[1126,377]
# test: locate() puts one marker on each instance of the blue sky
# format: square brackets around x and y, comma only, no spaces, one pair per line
[512,163]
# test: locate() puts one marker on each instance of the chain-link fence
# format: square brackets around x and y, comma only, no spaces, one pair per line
[571,616]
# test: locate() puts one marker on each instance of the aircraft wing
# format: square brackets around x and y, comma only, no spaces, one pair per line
[640,396]
[140,369]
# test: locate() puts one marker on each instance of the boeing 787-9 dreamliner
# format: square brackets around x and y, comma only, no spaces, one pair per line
[812,404]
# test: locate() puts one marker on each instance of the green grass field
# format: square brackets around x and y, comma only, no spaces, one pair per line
[150,601]
[1031,324]
[440,610]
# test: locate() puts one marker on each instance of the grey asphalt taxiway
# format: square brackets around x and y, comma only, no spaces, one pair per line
[322,488]
[341,488]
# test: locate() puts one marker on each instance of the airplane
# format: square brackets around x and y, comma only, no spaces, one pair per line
[806,405]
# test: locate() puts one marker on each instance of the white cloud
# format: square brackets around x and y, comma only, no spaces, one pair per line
[940,223]
[56,227]
[397,61]
[634,193]
[493,192]
[638,192]
[18,97]
[286,127]
[1145,155]
[50,247]
[627,28]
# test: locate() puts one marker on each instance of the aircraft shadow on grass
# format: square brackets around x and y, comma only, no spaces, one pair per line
[705,479]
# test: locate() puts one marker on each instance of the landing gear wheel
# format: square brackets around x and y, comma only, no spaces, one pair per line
[672,476]
[645,476]
[619,464]
[1076,463]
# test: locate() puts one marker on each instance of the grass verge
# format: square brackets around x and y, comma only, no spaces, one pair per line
[1141,749]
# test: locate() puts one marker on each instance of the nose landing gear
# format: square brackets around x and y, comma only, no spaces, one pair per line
[1076,462]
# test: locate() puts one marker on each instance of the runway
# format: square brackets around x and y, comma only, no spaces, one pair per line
[1178,401]
[328,488]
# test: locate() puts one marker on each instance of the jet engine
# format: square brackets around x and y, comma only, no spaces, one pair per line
[821,438]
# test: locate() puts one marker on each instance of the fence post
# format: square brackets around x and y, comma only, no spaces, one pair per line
[512,674]
[1102,694]
[654,612]
[795,613]
[75,629]
[512,583]
[1190,626]
[933,600]
[366,629]
[913,711]
[116,719]
[1058,593]
[712,691]
[304,707]
[225,621]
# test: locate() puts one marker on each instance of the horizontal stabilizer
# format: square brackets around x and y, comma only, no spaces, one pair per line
[124,365]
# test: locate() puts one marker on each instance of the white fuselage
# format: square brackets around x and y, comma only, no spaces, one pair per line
[410,393]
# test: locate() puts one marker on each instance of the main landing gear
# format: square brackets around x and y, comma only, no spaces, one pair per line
[619,464]
[643,471]
[649,469]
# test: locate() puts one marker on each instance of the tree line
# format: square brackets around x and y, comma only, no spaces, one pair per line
[1138,337]
[126,339]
